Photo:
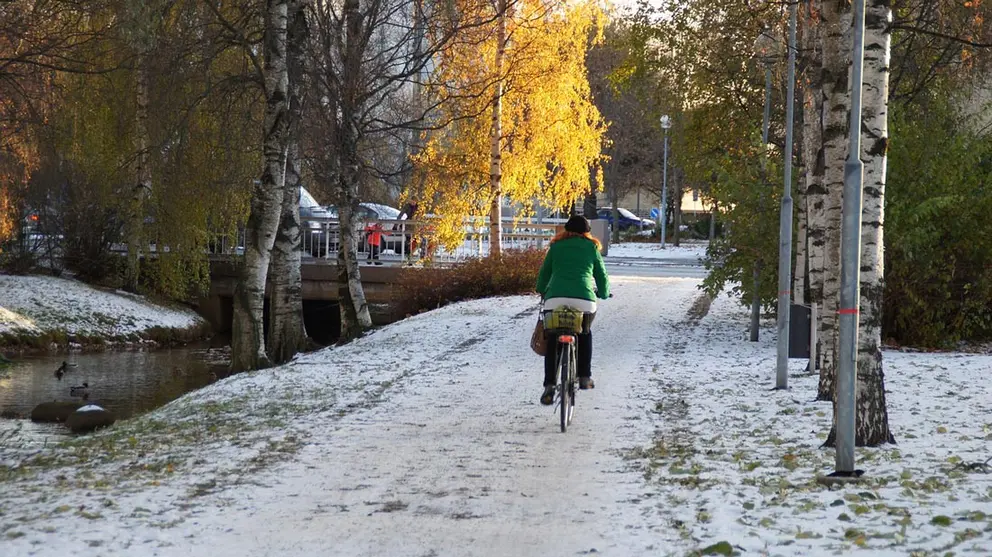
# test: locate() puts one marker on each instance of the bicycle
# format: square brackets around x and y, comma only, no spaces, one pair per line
[565,323]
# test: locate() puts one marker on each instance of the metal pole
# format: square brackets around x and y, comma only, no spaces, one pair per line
[785,218]
[756,273]
[850,260]
[664,192]
[540,222]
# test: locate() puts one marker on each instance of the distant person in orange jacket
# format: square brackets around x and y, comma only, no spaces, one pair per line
[374,231]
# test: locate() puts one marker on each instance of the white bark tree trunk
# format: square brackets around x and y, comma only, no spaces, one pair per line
[248,331]
[349,317]
[809,259]
[350,170]
[872,424]
[496,139]
[802,250]
[287,334]
[836,107]
[136,241]
[349,253]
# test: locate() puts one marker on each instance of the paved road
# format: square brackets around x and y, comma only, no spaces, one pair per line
[649,267]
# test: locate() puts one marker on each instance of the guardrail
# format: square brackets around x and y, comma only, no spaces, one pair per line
[404,241]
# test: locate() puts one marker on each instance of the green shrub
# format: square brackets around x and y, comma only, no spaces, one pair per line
[938,235]
[423,289]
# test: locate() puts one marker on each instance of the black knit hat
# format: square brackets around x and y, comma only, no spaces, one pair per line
[577,224]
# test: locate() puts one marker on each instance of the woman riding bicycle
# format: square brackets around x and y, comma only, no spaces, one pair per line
[570,268]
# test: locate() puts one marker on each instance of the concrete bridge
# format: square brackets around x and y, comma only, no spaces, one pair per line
[321,311]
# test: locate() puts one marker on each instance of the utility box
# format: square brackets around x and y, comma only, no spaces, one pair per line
[601,231]
[799,328]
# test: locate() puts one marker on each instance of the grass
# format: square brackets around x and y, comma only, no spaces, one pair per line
[59,339]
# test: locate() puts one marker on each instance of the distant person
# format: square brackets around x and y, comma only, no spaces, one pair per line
[374,231]
[409,211]
[572,275]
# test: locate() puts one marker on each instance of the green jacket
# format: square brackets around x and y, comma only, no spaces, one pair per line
[569,269]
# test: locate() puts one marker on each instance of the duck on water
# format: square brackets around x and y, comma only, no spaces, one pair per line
[60,372]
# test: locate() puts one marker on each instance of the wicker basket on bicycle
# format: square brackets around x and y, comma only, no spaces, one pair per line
[563,321]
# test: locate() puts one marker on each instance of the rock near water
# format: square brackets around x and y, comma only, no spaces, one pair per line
[88,418]
[54,411]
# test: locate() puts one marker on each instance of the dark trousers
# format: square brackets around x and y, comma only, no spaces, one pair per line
[373,252]
[583,359]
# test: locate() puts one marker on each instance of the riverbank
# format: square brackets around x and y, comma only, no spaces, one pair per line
[43,313]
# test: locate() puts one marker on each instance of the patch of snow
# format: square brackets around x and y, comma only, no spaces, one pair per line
[689,252]
[10,320]
[32,304]
[426,438]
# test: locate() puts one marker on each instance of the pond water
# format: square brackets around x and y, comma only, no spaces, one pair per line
[126,383]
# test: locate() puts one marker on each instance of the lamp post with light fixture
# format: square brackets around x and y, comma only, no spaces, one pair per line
[666,123]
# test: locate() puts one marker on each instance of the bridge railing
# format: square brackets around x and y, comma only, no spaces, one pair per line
[405,241]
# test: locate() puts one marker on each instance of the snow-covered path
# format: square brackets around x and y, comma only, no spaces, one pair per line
[460,459]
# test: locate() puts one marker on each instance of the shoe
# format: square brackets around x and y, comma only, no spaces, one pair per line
[586,383]
[548,398]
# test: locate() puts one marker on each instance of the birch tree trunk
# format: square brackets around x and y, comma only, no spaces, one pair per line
[802,251]
[872,422]
[352,274]
[836,106]
[287,334]
[350,169]
[496,139]
[136,241]
[349,317]
[248,331]
[811,231]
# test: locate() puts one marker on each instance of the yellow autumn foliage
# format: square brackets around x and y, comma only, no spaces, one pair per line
[552,132]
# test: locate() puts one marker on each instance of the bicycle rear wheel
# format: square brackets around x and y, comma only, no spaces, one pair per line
[565,373]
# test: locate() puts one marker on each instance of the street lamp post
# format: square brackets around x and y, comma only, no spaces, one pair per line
[850,263]
[666,123]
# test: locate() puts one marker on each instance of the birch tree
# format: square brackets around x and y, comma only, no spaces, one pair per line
[140,27]
[836,20]
[872,426]
[872,422]
[287,334]
[810,238]
[368,60]
[248,334]
[523,123]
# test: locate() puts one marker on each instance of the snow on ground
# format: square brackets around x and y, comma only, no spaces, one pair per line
[34,304]
[689,252]
[426,438]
